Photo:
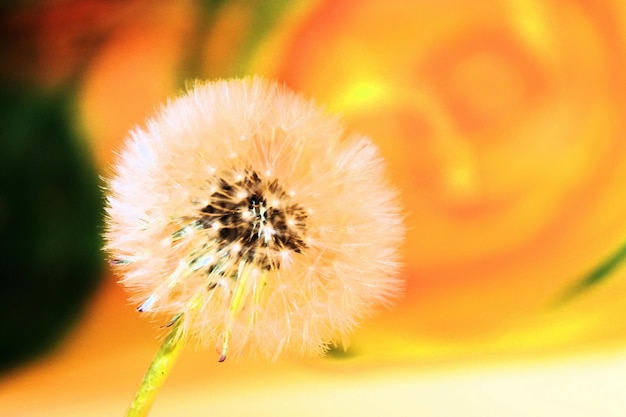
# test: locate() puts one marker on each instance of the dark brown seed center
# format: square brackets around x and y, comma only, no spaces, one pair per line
[257,215]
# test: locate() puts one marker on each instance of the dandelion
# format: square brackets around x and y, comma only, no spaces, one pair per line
[245,216]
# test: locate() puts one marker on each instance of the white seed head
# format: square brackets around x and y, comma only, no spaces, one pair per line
[204,221]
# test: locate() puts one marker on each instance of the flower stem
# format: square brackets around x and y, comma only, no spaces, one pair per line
[159,369]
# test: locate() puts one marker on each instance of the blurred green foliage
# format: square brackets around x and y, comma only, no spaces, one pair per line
[50,222]
[597,275]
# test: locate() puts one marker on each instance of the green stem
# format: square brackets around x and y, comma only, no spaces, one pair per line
[159,369]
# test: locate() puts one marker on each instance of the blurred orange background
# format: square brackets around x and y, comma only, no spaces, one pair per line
[502,122]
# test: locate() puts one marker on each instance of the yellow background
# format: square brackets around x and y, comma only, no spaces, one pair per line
[503,126]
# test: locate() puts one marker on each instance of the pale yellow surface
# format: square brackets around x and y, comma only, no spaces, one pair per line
[97,371]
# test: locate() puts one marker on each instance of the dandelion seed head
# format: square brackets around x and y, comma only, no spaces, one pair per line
[246,211]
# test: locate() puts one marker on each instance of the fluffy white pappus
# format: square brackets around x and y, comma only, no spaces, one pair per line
[246,211]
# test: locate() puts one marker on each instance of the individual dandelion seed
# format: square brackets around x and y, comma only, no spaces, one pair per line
[244,215]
